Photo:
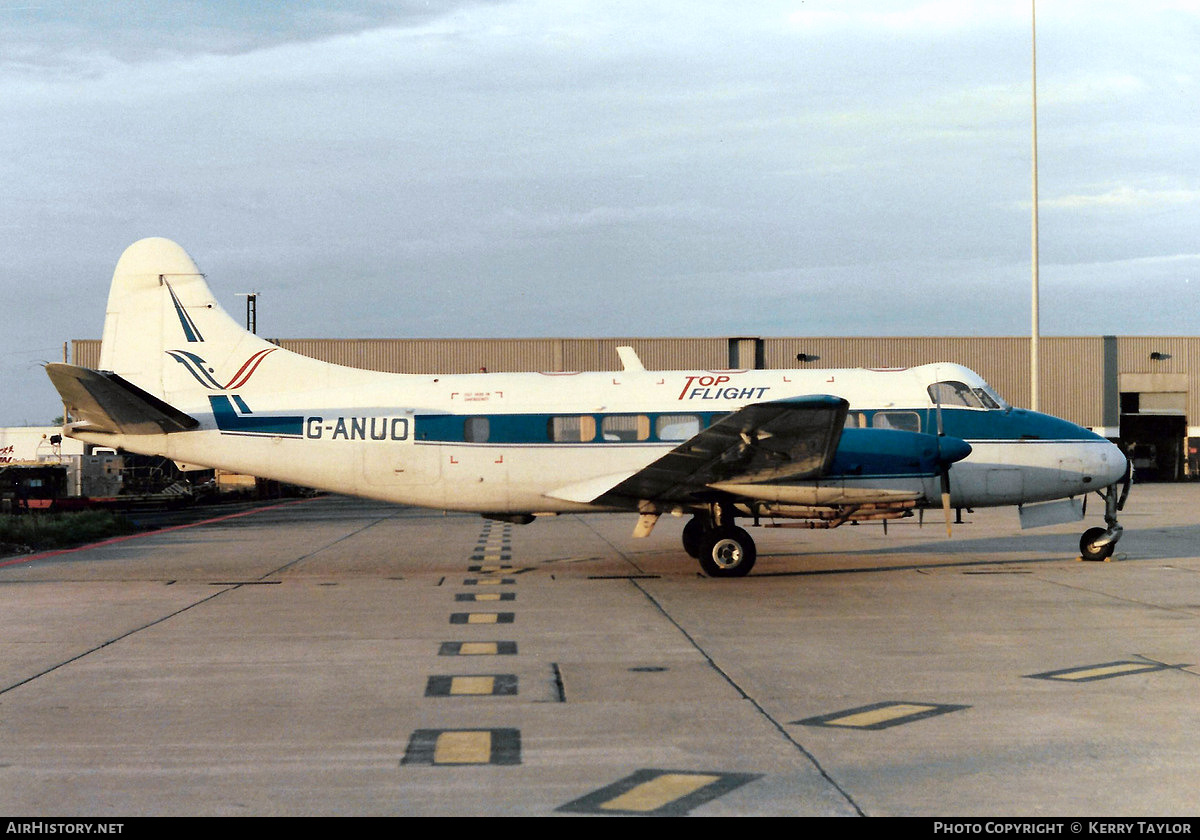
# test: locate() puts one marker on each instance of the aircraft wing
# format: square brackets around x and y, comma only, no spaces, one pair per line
[794,438]
[105,402]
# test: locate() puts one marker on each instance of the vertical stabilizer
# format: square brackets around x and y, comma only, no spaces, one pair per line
[134,329]
[165,332]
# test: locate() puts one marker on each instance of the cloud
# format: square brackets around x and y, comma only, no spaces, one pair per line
[1124,198]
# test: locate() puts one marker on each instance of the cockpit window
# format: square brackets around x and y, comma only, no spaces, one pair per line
[986,398]
[952,393]
[959,395]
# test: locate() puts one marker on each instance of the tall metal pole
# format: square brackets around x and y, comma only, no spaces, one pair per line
[1033,344]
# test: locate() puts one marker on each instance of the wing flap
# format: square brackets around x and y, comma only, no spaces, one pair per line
[105,402]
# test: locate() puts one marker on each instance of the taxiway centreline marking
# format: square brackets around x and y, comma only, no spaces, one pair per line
[477,649]
[462,685]
[453,747]
[482,618]
[485,596]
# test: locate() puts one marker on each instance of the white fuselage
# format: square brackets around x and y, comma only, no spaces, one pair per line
[512,442]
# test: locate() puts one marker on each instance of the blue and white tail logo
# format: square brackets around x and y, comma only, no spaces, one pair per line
[230,412]
[203,374]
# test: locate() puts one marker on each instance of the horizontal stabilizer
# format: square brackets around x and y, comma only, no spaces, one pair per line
[105,402]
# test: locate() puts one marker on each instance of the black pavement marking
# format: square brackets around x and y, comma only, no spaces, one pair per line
[456,747]
[482,618]
[485,596]
[472,685]
[881,715]
[658,793]
[477,649]
[1104,671]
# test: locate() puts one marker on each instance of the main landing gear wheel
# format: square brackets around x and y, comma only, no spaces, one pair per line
[727,551]
[1090,547]
[693,533]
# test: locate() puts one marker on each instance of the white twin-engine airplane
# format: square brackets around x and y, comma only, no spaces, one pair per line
[180,378]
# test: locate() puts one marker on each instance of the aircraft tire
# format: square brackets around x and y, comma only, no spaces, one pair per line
[693,535]
[1088,550]
[727,551]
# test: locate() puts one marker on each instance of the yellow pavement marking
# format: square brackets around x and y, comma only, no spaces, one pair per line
[473,685]
[659,791]
[481,618]
[488,596]
[478,649]
[874,716]
[463,748]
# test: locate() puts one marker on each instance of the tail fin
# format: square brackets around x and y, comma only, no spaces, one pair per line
[165,333]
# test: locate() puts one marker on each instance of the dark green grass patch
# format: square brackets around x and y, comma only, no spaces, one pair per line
[42,531]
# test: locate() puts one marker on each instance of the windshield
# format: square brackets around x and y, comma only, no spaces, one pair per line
[961,395]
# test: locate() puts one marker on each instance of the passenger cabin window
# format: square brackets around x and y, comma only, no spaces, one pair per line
[625,428]
[676,426]
[905,421]
[476,430]
[955,394]
[576,429]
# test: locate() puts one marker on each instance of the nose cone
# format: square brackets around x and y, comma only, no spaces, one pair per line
[1110,464]
[952,449]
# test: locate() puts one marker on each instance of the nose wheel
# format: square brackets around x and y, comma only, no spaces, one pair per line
[1099,543]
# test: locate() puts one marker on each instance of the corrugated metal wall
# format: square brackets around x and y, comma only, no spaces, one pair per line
[1073,375]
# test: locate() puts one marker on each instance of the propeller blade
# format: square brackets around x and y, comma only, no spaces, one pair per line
[946,497]
[943,463]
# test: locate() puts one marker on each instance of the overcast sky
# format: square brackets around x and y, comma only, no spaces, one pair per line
[599,167]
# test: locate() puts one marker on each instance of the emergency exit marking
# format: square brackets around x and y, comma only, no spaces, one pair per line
[880,715]
[1106,671]
[658,793]
[451,747]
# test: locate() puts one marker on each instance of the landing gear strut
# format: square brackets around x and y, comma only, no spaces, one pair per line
[1099,543]
[723,549]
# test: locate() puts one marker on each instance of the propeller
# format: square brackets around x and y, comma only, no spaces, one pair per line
[949,450]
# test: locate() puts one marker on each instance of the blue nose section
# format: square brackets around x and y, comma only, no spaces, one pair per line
[952,449]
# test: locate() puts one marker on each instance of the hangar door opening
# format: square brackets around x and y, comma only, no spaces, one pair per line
[1153,432]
